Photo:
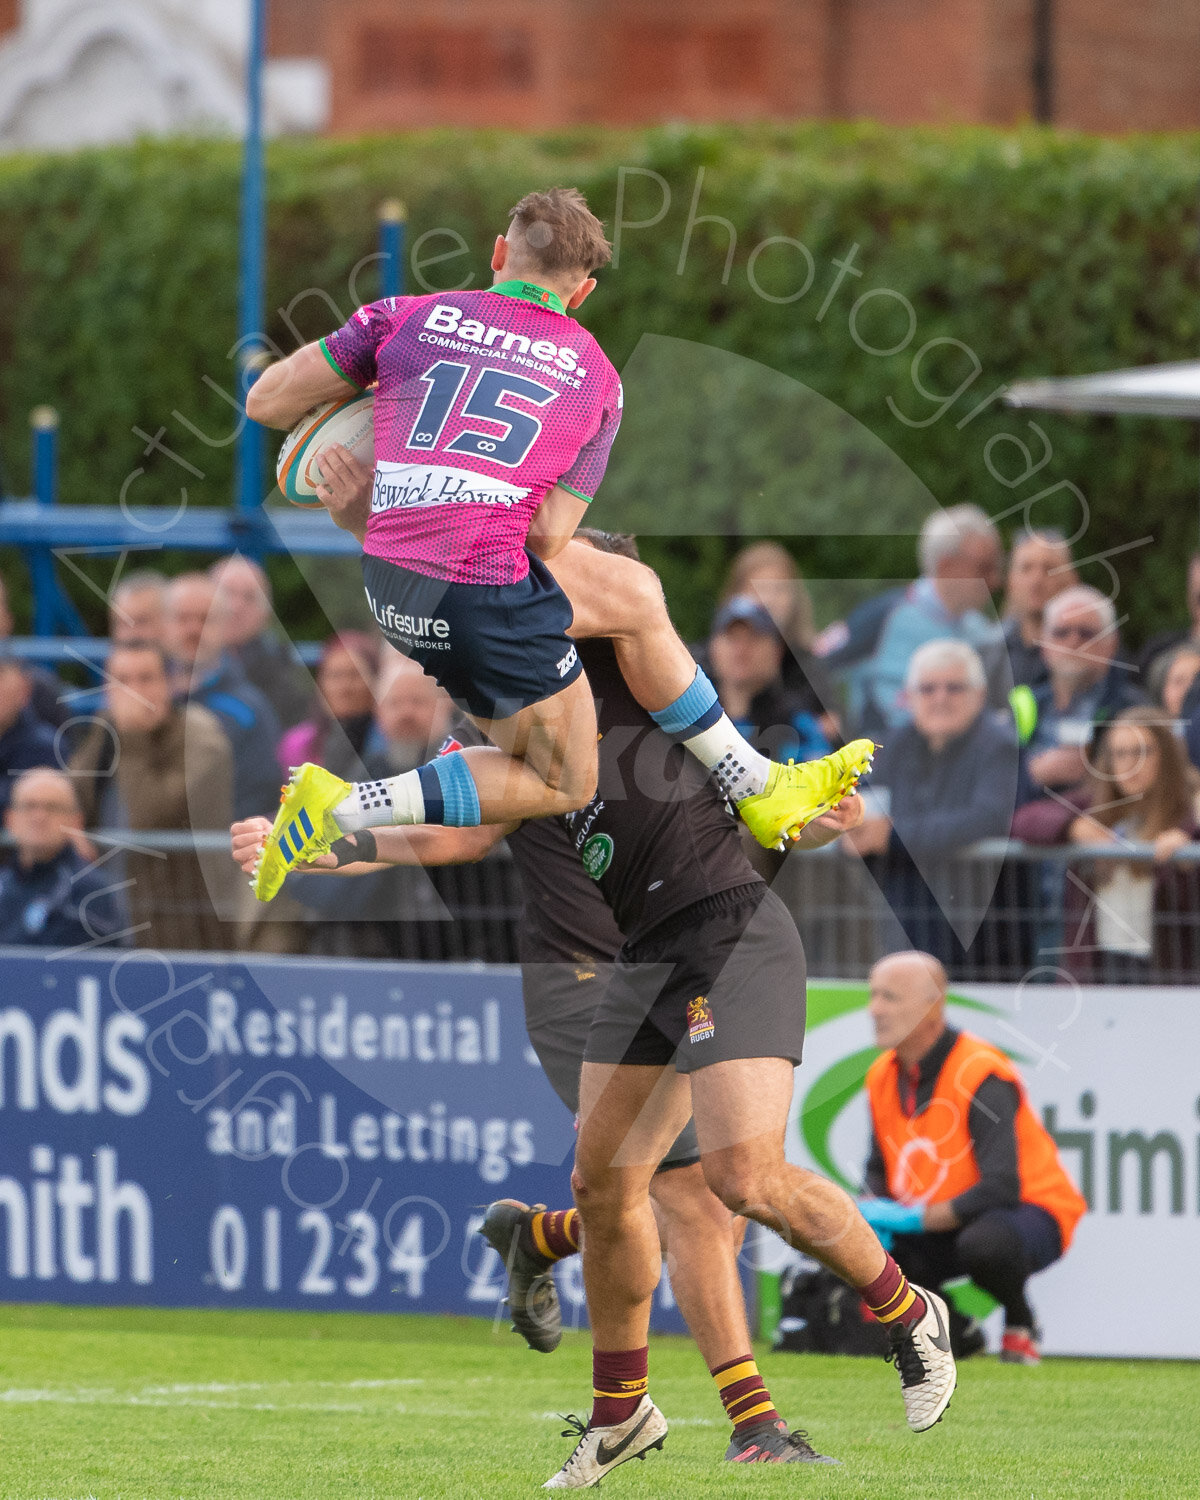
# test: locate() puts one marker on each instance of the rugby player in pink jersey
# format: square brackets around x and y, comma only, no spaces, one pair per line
[494,416]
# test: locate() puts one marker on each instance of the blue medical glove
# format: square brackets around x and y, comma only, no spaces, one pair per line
[890,1217]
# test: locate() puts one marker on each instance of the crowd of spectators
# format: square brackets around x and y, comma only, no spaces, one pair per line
[1031,720]
[175,738]
[1019,722]
[961,559]
[1124,921]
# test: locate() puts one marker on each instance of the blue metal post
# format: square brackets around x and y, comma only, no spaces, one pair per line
[250,294]
[43,421]
[53,610]
[392,237]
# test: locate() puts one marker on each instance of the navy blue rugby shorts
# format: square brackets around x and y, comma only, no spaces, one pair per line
[495,648]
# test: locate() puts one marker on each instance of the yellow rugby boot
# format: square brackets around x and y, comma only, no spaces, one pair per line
[798,793]
[303,829]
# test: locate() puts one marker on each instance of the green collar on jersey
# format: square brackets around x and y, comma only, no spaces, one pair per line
[527,291]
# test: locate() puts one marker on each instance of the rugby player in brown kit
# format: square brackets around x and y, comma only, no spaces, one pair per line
[726,1028]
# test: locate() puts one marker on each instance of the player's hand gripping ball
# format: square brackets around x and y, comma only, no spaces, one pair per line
[350,422]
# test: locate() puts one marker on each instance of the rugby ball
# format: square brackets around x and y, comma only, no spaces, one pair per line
[350,422]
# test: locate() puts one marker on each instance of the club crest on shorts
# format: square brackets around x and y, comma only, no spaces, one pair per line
[700,1020]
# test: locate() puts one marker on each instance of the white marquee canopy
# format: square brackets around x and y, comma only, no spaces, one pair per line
[1150,391]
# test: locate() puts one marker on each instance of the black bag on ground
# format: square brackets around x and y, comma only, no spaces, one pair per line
[822,1315]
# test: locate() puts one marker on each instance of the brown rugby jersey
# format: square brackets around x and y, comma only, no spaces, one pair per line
[658,835]
[565,919]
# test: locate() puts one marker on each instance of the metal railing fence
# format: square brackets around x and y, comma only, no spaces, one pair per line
[1001,911]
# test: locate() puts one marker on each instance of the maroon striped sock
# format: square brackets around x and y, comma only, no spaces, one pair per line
[891,1298]
[555,1234]
[619,1378]
[744,1393]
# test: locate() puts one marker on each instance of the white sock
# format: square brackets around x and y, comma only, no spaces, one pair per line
[739,768]
[381,804]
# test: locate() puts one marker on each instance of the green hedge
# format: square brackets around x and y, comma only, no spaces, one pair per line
[1040,253]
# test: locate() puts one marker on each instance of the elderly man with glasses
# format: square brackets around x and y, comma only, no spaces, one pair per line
[1061,720]
[50,894]
[943,781]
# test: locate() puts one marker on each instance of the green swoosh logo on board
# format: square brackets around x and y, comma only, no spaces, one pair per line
[832,1090]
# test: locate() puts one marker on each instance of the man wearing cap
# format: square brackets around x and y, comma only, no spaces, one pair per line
[745,658]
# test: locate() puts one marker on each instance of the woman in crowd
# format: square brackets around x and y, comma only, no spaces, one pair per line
[1171,678]
[335,734]
[1128,921]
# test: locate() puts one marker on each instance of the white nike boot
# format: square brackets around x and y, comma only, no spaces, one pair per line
[922,1356]
[601,1449]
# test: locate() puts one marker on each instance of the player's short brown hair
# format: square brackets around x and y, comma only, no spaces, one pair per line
[560,232]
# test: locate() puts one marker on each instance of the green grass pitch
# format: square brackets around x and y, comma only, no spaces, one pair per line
[147,1405]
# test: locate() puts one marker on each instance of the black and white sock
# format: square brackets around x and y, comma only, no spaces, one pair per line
[380,804]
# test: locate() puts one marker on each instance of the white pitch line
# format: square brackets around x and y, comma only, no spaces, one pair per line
[211,1387]
[370,1385]
[206,1396]
[215,1387]
[114,1398]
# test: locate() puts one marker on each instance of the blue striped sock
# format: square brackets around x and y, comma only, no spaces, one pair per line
[692,712]
[458,795]
[697,721]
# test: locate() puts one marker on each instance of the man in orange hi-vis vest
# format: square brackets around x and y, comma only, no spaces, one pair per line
[964,1177]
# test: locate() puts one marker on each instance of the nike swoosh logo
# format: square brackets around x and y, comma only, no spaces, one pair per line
[940,1340]
[606,1455]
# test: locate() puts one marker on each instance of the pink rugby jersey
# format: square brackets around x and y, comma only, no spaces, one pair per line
[486,400]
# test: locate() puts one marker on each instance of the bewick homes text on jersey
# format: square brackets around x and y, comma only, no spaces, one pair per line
[76,1060]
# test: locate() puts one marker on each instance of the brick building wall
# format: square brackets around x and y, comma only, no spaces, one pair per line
[1122,66]
[295,28]
[535,64]
[541,63]
[931,61]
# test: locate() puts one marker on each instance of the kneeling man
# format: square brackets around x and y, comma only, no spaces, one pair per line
[966,1178]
